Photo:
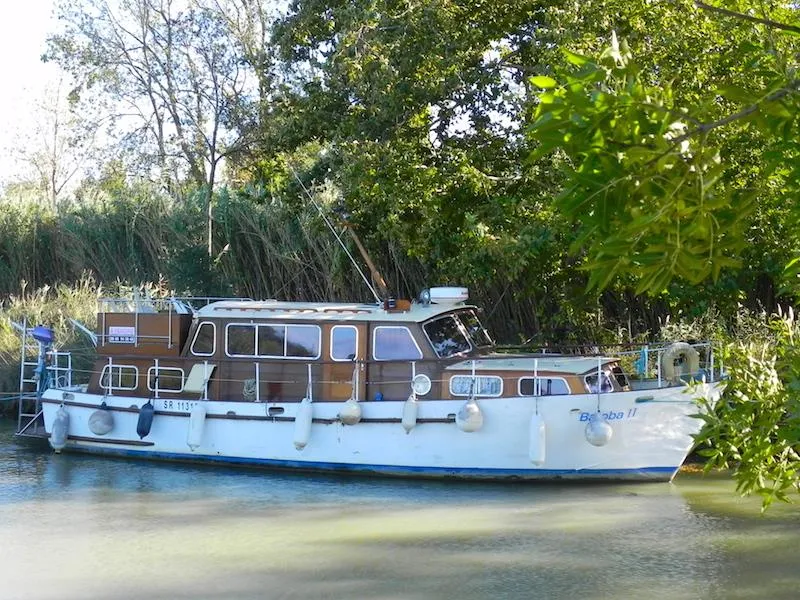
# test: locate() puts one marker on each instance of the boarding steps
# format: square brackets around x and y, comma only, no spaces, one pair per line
[35,376]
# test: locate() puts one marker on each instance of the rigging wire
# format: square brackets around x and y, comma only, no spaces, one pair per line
[336,235]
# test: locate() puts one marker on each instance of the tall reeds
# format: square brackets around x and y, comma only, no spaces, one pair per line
[263,247]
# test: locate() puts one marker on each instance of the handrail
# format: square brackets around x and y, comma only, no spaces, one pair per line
[298,377]
[145,305]
[62,374]
[450,361]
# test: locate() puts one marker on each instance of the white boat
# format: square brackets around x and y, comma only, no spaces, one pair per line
[395,388]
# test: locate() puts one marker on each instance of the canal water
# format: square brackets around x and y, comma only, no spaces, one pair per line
[85,527]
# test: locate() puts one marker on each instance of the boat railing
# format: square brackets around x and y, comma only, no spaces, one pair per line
[167,304]
[648,361]
[707,371]
[642,368]
[113,332]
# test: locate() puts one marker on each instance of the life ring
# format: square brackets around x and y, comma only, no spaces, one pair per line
[679,350]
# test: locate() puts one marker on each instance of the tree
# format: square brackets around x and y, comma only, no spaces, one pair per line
[419,110]
[56,149]
[168,74]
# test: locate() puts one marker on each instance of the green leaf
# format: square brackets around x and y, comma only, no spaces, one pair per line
[575,59]
[543,81]
[737,94]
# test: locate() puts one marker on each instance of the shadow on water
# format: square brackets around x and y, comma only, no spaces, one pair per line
[127,529]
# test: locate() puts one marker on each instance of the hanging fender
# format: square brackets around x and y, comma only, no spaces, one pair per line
[197,421]
[60,430]
[145,421]
[410,411]
[302,424]
[101,421]
[537,441]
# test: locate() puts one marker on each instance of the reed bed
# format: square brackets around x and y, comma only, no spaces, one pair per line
[263,247]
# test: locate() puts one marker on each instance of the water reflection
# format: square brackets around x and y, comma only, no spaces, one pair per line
[126,529]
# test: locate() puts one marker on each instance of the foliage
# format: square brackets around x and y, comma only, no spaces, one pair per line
[661,178]
[680,162]
[755,428]
[54,307]
[51,306]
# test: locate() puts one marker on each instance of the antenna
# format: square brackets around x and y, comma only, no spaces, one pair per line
[373,271]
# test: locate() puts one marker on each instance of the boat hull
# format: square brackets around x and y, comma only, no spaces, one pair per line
[651,435]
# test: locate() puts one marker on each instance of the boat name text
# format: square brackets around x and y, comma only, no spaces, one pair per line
[610,415]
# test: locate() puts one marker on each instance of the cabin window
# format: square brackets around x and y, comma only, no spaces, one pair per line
[485,385]
[619,375]
[475,329]
[289,341]
[344,342]
[240,340]
[446,336]
[204,343]
[271,340]
[394,343]
[605,383]
[543,386]
[123,377]
[170,379]
[274,341]
[302,341]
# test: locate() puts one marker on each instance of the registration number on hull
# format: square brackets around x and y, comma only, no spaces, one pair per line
[178,404]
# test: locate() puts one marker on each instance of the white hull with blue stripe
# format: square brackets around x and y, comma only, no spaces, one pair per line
[651,434]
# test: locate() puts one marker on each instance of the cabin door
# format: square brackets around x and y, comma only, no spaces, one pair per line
[347,354]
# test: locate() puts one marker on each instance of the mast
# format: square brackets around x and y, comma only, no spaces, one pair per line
[377,278]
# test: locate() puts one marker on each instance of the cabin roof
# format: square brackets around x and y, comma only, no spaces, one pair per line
[321,311]
[571,365]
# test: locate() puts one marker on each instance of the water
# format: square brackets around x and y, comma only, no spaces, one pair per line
[76,526]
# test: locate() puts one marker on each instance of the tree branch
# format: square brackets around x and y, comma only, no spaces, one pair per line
[744,17]
[790,87]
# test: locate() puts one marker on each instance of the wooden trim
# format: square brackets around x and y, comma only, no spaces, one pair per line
[80,438]
[83,438]
[87,405]
[275,419]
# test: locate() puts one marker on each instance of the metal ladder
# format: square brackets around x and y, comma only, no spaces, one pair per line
[30,424]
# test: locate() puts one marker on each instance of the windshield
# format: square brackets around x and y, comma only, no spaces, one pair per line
[456,333]
[447,336]
[475,329]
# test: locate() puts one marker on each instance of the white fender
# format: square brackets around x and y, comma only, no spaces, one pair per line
[598,430]
[410,410]
[671,354]
[302,423]
[536,447]
[60,431]
[101,421]
[197,420]
[469,418]
[350,414]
